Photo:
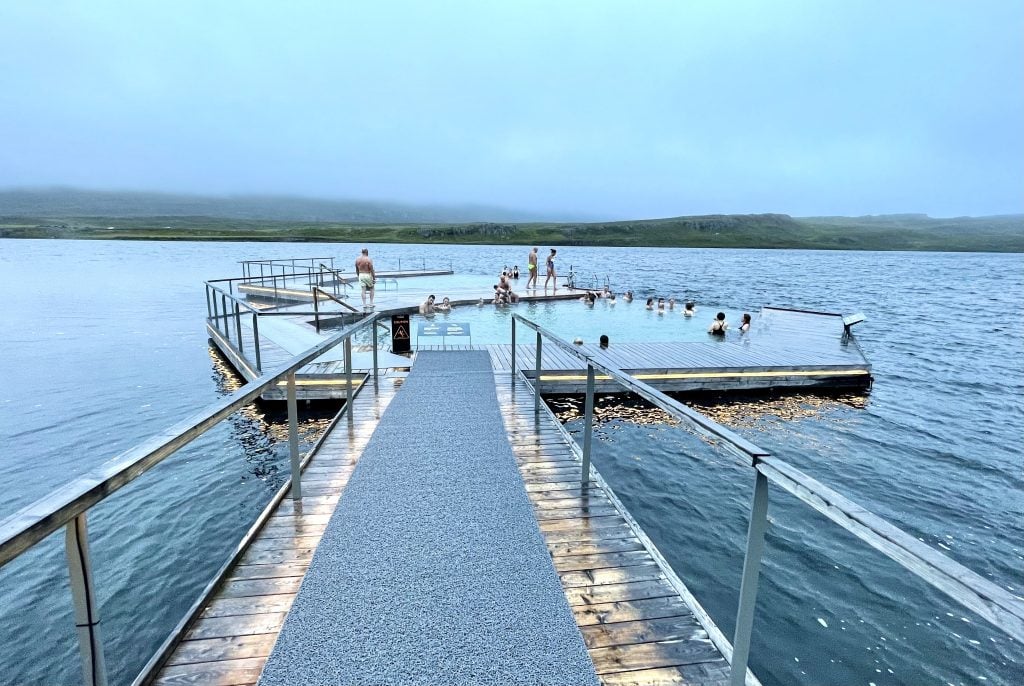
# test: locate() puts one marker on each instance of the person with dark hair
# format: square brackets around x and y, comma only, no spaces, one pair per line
[603,342]
[745,326]
[427,307]
[650,303]
[551,270]
[628,297]
[688,309]
[718,325]
[515,272]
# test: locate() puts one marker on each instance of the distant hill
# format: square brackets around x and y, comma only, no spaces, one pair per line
[72,202]
[59,215]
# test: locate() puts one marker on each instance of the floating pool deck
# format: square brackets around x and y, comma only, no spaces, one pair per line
[784,349]
[636,621]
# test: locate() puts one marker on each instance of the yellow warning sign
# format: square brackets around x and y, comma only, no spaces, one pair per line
[401,333]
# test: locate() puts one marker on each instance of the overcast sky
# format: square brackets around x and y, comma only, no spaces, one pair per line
[607,109]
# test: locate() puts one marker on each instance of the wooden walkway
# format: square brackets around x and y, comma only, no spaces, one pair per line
[638,621]
[228,644]
[637,625]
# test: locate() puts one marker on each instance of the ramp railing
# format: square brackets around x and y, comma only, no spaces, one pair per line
[67,507]
[998,606]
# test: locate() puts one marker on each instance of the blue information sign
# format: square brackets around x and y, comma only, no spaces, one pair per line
[442,329]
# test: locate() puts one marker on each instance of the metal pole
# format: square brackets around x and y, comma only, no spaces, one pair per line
[748,587]
[256,341]
[513,347]
[536,378]
[224,309]
[216,325]
[87,612]
[209,310]
[375,368]
[348,376]
[316,309]
[293,439]
[238,326]
[588,421]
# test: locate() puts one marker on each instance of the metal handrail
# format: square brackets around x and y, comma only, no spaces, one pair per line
[959,583]
[67,506]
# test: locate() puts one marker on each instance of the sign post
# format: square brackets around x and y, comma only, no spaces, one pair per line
[401,340]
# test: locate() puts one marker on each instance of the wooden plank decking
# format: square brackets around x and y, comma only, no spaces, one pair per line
[636,625]
[228,644]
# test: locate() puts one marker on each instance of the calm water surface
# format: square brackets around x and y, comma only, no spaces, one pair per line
[104,346]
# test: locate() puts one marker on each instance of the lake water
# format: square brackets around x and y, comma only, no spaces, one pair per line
[104,345]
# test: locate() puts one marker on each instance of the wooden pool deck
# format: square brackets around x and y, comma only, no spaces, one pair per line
[639,623]
[784,349]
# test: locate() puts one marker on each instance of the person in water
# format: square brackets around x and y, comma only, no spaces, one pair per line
[650,303]
[688,309]
[603,342]
[445,306]
[661,306]
[504,283]
[745,326]
[531,267]
[551,270]
[427,307]
[515,272]
[628,297]
[671,303]
[718,325]
[611,299]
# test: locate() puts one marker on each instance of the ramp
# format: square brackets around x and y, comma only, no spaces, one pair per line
[432,569]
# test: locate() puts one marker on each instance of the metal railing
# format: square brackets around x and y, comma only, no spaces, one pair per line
[959,583]
[272,266]
[67,506]
[339,279]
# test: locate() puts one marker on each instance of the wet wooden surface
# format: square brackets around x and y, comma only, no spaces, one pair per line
[637,628]
[228,644]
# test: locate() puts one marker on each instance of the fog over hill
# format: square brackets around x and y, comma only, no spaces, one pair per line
[74,202]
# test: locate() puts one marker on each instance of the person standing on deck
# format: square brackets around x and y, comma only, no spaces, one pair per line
[366,275]
[531,266]
[551,270]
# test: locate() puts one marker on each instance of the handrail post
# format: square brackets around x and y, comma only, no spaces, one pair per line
[224,308]
[536,377]
[256,341]
[87,613]
[238,328]
[375,367]
[513,347]
[316,308]
[293,439]
[348,376]
[216,324]
[209,310]
[748,586]
[588,421]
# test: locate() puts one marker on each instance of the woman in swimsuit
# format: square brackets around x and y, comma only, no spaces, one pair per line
[551,270]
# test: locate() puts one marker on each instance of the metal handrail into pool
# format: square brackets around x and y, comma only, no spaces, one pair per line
[67,506]
[998,606]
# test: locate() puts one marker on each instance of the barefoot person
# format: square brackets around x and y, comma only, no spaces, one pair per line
[551,270]
[367,276]
[531,267]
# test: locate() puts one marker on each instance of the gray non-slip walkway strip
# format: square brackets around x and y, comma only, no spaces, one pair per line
[432,569]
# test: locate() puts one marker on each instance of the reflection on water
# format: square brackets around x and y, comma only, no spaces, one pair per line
[260,427]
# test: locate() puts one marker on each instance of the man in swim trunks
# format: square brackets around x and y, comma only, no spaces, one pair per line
[531,266]
[367,276]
